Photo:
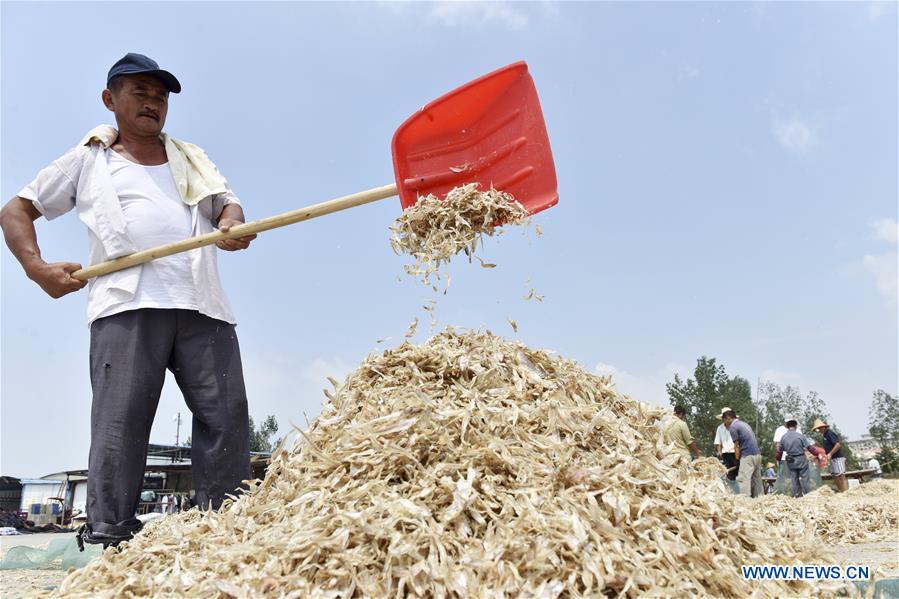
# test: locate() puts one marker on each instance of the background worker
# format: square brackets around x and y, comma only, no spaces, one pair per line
[678,433]
[874,464]
[746,450]
[833,447]
[724,445]
[792,450]
[135,187]
[769,473]
[779,432]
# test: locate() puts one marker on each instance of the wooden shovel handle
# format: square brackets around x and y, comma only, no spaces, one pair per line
[250,228]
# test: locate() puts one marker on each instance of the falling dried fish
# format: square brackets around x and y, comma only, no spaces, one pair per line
[434,230]
[413,326]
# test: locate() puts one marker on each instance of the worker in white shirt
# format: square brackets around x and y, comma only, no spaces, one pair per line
[724,445]
[135,187]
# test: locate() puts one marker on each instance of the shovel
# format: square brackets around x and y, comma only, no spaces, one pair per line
[489,131]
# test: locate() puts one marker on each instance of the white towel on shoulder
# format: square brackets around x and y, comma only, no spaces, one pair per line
[195,174]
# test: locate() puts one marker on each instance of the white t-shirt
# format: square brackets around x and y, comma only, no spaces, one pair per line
[723,438]
[154,215]
[780,432]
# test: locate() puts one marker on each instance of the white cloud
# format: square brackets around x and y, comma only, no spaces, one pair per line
[876,10]
[649,388]
[461,13]
[688,71]
[884,266]
[886,229]
[796,135]
[884,269]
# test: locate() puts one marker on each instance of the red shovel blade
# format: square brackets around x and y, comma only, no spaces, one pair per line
[489,131]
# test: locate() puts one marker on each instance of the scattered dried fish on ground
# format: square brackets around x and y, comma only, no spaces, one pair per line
[867,513]
[434,230]
[468,466]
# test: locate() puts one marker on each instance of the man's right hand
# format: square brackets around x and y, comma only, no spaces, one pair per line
[56,278]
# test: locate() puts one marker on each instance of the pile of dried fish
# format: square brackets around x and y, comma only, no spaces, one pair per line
[867,513]
[468,466]
[434,230]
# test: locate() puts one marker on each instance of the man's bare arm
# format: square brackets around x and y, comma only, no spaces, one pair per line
[17,221]
[694,449]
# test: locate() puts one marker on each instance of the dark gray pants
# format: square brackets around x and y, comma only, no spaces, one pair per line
[129,355]
[797,469]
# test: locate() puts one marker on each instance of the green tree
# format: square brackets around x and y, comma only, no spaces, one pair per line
[704,395]
[883,426]
[260,436]
[883,419]
[889,460]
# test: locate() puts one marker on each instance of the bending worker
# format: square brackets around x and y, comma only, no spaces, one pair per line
[135,187]
[678,434]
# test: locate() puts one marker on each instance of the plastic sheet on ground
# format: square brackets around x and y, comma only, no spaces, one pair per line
[60,554]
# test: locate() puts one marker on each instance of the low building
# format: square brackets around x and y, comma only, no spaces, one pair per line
[167,482]
[865,448]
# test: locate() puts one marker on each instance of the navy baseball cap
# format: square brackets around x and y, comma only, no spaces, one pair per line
[135,64]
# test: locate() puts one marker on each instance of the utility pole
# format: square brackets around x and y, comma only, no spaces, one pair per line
[758,406]
[177,419]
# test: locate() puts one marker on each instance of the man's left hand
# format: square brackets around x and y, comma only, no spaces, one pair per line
[231,245]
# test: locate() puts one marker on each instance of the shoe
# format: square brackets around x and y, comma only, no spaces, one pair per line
[84,534]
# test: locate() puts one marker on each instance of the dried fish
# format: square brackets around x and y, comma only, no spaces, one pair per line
[434,230]
[513,324]
[413,326]
[533,295]
[867,513]
[467,466]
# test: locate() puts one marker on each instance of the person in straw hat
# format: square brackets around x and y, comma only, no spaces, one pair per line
[724,445]
[834,450]
[769,473]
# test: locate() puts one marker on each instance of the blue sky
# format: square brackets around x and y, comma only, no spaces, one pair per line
[727,175]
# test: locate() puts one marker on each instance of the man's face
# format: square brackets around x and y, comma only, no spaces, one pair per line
[727,421]
[140,104]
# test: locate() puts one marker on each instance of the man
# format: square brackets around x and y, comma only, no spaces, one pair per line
[746,450]
[874,464]
[769,473]
[779,433]
[724,445]
[792,451]
[678,433]
[834,452]
[135,187]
